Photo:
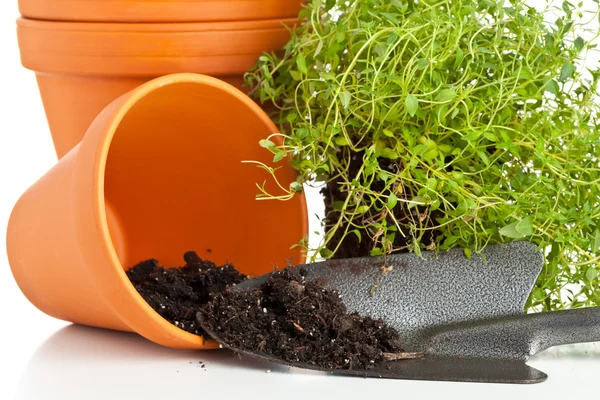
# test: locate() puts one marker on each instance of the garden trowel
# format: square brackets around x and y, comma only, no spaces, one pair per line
[465,315]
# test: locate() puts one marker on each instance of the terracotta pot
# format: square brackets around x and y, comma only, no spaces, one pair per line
[82,67]
[158,173]
[158,10]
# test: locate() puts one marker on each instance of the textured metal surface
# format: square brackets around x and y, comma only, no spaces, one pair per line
[421,293]
[515,337]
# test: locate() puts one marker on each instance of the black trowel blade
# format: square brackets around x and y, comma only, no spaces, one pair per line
[455,370]
[452,369]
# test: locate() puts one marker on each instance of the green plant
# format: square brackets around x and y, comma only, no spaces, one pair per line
[440,124]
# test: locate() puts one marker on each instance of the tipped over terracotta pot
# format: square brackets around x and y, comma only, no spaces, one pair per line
[158,10]
[159,172]
[82,67]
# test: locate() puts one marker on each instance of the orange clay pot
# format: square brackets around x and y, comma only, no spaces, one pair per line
[82,67]
[158,10]
[159,172]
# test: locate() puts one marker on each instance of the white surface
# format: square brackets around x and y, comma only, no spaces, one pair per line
[43,358]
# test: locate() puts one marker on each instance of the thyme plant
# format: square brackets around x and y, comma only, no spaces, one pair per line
[446,123]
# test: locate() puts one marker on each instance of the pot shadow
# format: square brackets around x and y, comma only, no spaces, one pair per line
[79,362]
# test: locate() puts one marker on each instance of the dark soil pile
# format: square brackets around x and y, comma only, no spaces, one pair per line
[299,321]
[177,293]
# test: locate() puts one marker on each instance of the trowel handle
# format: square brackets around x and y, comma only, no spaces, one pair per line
[517,336]
[563,327]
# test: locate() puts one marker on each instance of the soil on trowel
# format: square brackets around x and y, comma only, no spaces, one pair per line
[299,321]
[178,293]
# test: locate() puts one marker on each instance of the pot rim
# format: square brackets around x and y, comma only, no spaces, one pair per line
[135,11]
[158,27]
[149,50]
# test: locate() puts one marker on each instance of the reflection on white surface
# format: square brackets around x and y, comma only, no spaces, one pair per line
[87,363]
[79,362]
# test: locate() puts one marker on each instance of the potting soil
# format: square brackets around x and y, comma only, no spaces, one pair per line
[177,293]
[297,320]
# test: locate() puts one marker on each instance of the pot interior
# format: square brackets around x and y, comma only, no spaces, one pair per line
[175,181]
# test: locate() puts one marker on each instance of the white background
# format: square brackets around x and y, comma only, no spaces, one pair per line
[43,358]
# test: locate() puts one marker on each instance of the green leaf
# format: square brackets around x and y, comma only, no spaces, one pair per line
[525,226]
[391,17]
[579,43]
[301,133]
[325,253]
[459,57]
[297,76]
[328,76]
[595,243]
[552,87]
[432,183]
[388,133]
[383,175]
[291,118]
[490,136]
[566,71]
[454,113]
[511,231]
[390,237]
[416,248]
[471,136]
[390,154]
[423,63]
[392,201]
[446,95]
[266,143]
[337,205]
[444,148]
[591,273]
[450,240]
[468,253]
[458,175]
[490,65]
[362,209]
[345,98]
[484,157]
[301,64]
[318,49]
[280,155]
[412,104]
[525,74]
[374,253]
[431,154]
[539,294]
[340,141]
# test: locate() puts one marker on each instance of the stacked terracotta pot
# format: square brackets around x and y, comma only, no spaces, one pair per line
[87,53]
